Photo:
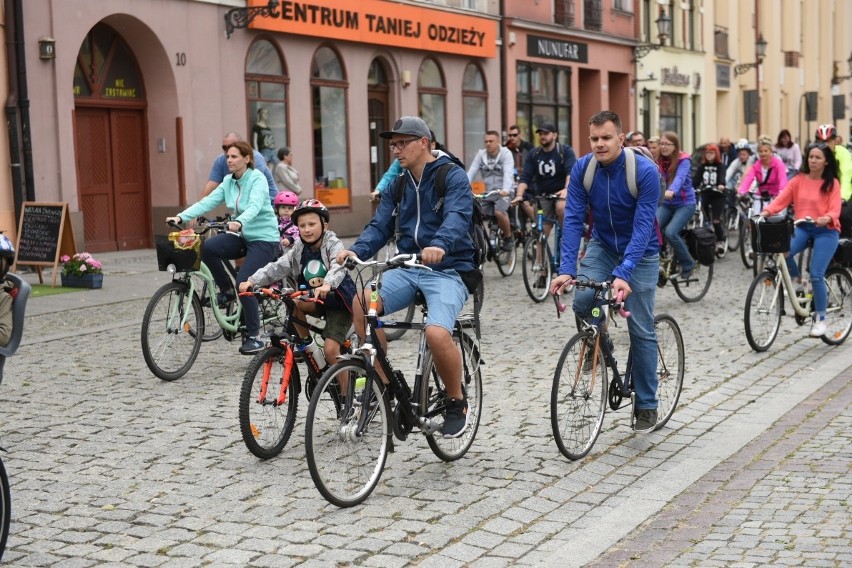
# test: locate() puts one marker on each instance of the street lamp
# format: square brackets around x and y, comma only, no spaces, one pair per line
[836,78]
[238,18]
[761,51]
[664,30]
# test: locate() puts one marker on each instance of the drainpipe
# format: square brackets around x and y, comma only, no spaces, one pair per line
[504,53]
[24,101]
[12,110]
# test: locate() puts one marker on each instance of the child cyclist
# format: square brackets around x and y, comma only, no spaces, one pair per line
[311,261]
[284,203]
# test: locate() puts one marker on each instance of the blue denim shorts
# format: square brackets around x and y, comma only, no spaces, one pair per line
[444,291]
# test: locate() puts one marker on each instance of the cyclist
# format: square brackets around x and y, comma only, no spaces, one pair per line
[439,231]
[828,133]
[624,248]
[679,203]
[285,202]
[393,172]
[252,233]
[549,168]
[220,168]
[738,168]
[768,170]
[710,177]
[815,196]
[312,261]
[789,152]
[494,163]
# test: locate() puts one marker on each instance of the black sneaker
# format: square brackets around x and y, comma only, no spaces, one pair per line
[251,346]
[225,298]
[541,282]
[455,418]
[508,245]
[646,420]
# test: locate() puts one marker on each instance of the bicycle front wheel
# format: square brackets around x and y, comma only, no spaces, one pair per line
[838,316]
[433,398]
[746,252]
[172,331]
[212,329]
[346,443]
[578,397]
[268,409]
[5,508]
[764,303]
[536,269]
[695,287]
[505,259]
[671,362]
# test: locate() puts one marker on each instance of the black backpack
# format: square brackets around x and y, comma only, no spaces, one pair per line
[477,229]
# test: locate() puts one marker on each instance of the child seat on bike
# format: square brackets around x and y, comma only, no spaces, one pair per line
[21,294]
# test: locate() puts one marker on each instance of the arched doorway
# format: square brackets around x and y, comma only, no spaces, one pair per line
[110,144]
[378,109]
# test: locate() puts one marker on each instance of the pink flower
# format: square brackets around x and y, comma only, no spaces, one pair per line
[83,268]
[64,258]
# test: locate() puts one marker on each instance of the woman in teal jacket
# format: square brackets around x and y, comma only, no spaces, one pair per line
[252,233]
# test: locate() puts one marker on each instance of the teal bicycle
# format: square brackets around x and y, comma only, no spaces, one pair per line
[542,252]
[174,324]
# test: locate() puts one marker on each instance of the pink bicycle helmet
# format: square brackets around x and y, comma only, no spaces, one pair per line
[286,198]
[826,132]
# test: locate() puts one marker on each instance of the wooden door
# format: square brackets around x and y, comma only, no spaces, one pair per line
[111,174]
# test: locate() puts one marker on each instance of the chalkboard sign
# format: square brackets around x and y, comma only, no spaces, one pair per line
[44,235]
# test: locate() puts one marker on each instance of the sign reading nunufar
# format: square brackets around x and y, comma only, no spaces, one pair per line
[383,23]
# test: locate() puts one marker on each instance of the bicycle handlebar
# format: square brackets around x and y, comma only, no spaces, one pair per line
[206,225]
[616,303]
[409,260]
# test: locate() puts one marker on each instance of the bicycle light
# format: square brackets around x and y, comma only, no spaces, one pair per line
[171,269]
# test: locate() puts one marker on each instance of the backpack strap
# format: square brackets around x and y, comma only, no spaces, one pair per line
[440,190]
[629,166]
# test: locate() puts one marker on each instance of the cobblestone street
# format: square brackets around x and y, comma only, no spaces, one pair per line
[111,466]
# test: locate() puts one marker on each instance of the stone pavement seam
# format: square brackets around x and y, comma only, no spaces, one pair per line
[691,516]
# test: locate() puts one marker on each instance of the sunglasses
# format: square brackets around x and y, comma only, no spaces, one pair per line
[513,134]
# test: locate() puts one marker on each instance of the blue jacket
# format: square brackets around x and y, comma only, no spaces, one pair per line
[423,221]
[623,224]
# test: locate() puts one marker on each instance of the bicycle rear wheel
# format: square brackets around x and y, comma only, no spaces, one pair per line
[505,259]
[170,345]
[838,316]
[265,423]
[346,452]
[746,252]
[578,397]
[433,398]
[5,508]
[695,287]
[734,219]
[764,303]
[670,366]
[536,271]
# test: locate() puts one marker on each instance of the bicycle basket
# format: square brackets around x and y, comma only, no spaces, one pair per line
[843,254]
[771,234]
[183,249]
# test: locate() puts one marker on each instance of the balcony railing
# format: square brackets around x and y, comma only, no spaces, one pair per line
[564,13]
[720,42]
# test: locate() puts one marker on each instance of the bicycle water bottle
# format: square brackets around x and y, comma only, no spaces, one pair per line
[315,353]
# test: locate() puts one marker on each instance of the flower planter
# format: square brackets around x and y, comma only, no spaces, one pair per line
[84,281]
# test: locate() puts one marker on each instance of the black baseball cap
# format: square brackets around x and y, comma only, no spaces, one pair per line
[546,127]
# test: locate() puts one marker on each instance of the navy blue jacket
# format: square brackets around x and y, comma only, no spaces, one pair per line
[424,222]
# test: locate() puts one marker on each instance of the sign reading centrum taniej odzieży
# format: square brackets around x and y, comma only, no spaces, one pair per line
[384,23]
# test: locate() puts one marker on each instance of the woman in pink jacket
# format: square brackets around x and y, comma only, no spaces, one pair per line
[769,171]
[815,196]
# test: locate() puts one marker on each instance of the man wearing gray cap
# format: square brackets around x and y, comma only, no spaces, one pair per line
[439,229]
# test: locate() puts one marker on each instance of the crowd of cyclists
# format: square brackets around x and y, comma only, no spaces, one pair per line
[434,222]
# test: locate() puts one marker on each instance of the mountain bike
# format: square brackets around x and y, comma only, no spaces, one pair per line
[581,389]
[764,304]
[347,439]
[505,259]
[173,326]
[20,292]
[269,396]
[542,252]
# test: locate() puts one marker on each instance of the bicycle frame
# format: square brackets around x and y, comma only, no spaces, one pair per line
[555,256]
[229,323]
[800,303]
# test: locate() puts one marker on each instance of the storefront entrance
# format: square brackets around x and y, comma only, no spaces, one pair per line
[110,144]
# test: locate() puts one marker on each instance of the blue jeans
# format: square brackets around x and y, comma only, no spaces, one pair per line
[672,220]
[598,264]
[257,255]
[825,243]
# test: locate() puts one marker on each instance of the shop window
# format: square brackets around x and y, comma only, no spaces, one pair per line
[266,92]
[331,134]
[544,95]
[433,98]
[474,101]
[671,113]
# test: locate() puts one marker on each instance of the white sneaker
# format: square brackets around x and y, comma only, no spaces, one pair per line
[819,328]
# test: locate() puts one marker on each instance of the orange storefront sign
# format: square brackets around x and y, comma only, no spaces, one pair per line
[383,23]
